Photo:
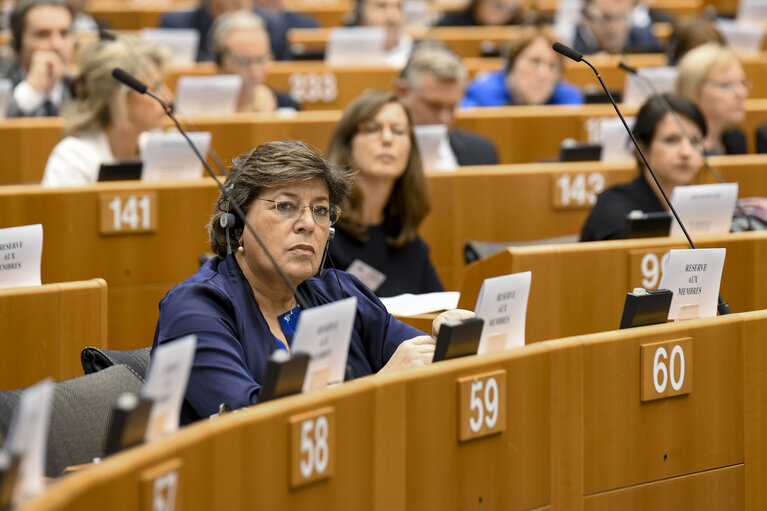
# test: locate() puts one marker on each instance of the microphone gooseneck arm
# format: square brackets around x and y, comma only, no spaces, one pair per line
[570,53]
[125,78]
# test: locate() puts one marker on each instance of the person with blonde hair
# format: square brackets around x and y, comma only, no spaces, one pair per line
[240,45]
[106,118]
[378,234]
[712,77]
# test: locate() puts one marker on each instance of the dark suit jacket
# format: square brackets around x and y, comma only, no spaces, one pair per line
[11,69]
[201,19]
[640,40]
[471,149]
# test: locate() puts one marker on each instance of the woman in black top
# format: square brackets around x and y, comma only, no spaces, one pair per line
[377,237]
[485,13]
[674,158]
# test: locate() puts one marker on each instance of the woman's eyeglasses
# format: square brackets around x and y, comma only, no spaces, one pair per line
[290,210]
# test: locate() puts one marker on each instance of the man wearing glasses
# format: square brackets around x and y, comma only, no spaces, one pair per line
[607,26]
[240,46]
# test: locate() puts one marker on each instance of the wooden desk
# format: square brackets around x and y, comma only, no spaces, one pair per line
[137,15]
[518,132]
[25,144]
[140,267]
[44,328]
[580,288]
[517,203]
[576,436]
[466,41]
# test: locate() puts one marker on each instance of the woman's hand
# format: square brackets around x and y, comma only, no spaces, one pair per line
[414,352]
[451,315]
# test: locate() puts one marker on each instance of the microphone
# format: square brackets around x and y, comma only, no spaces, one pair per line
[125,78]
[568,52]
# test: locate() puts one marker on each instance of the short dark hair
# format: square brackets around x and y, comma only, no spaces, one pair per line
[409,200]
[268,165]
[654,110]
[18,18]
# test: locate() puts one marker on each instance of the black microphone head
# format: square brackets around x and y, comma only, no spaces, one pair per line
[627,68]
[106,35]
[124,77]
[567,51]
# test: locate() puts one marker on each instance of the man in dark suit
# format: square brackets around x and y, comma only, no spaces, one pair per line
[607,25]
[431,86]
[43,45]
[203,16]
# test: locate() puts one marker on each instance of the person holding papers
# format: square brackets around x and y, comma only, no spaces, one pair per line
[712,77]
[532,75]
[673,157]
[106,118]
[377,238]
[240,46]
[239,306]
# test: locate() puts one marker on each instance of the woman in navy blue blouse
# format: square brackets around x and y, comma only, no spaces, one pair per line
[239,307]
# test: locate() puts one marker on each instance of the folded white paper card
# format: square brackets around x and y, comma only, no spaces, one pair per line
[356,46]
[502,304]
[166,382]
[412,305]
[168,156]
[432,140]
[5,93]
[704,209]
[324,333]
[616,144]
[208,94]
[636,91]
[694,277]
[21,251]
[28,438]
[183,42]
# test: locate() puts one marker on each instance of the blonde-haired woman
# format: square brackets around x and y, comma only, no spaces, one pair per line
[106,118]
[712,77]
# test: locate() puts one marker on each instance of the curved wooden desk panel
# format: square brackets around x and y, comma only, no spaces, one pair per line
[44,328]
[577,436]
[580,288]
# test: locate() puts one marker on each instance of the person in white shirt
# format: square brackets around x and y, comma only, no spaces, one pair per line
[389,15]
[106,118]
[43,44]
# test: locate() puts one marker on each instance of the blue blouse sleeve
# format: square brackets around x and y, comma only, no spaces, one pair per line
[220,372]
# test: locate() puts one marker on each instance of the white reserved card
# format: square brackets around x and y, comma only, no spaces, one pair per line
[28,439]
[368,275]
[5,93]
[356,46]
[636,91]
[431,138]
[324,333]
[21,251]
[165,384]
[694,277]
[183,42]
[168,156]
[208,95]
[616,144]
[704,209]
[502,304]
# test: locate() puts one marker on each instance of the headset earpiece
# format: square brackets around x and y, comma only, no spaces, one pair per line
[227,221]
[331,233]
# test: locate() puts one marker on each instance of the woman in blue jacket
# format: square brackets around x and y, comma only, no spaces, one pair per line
[532,76]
